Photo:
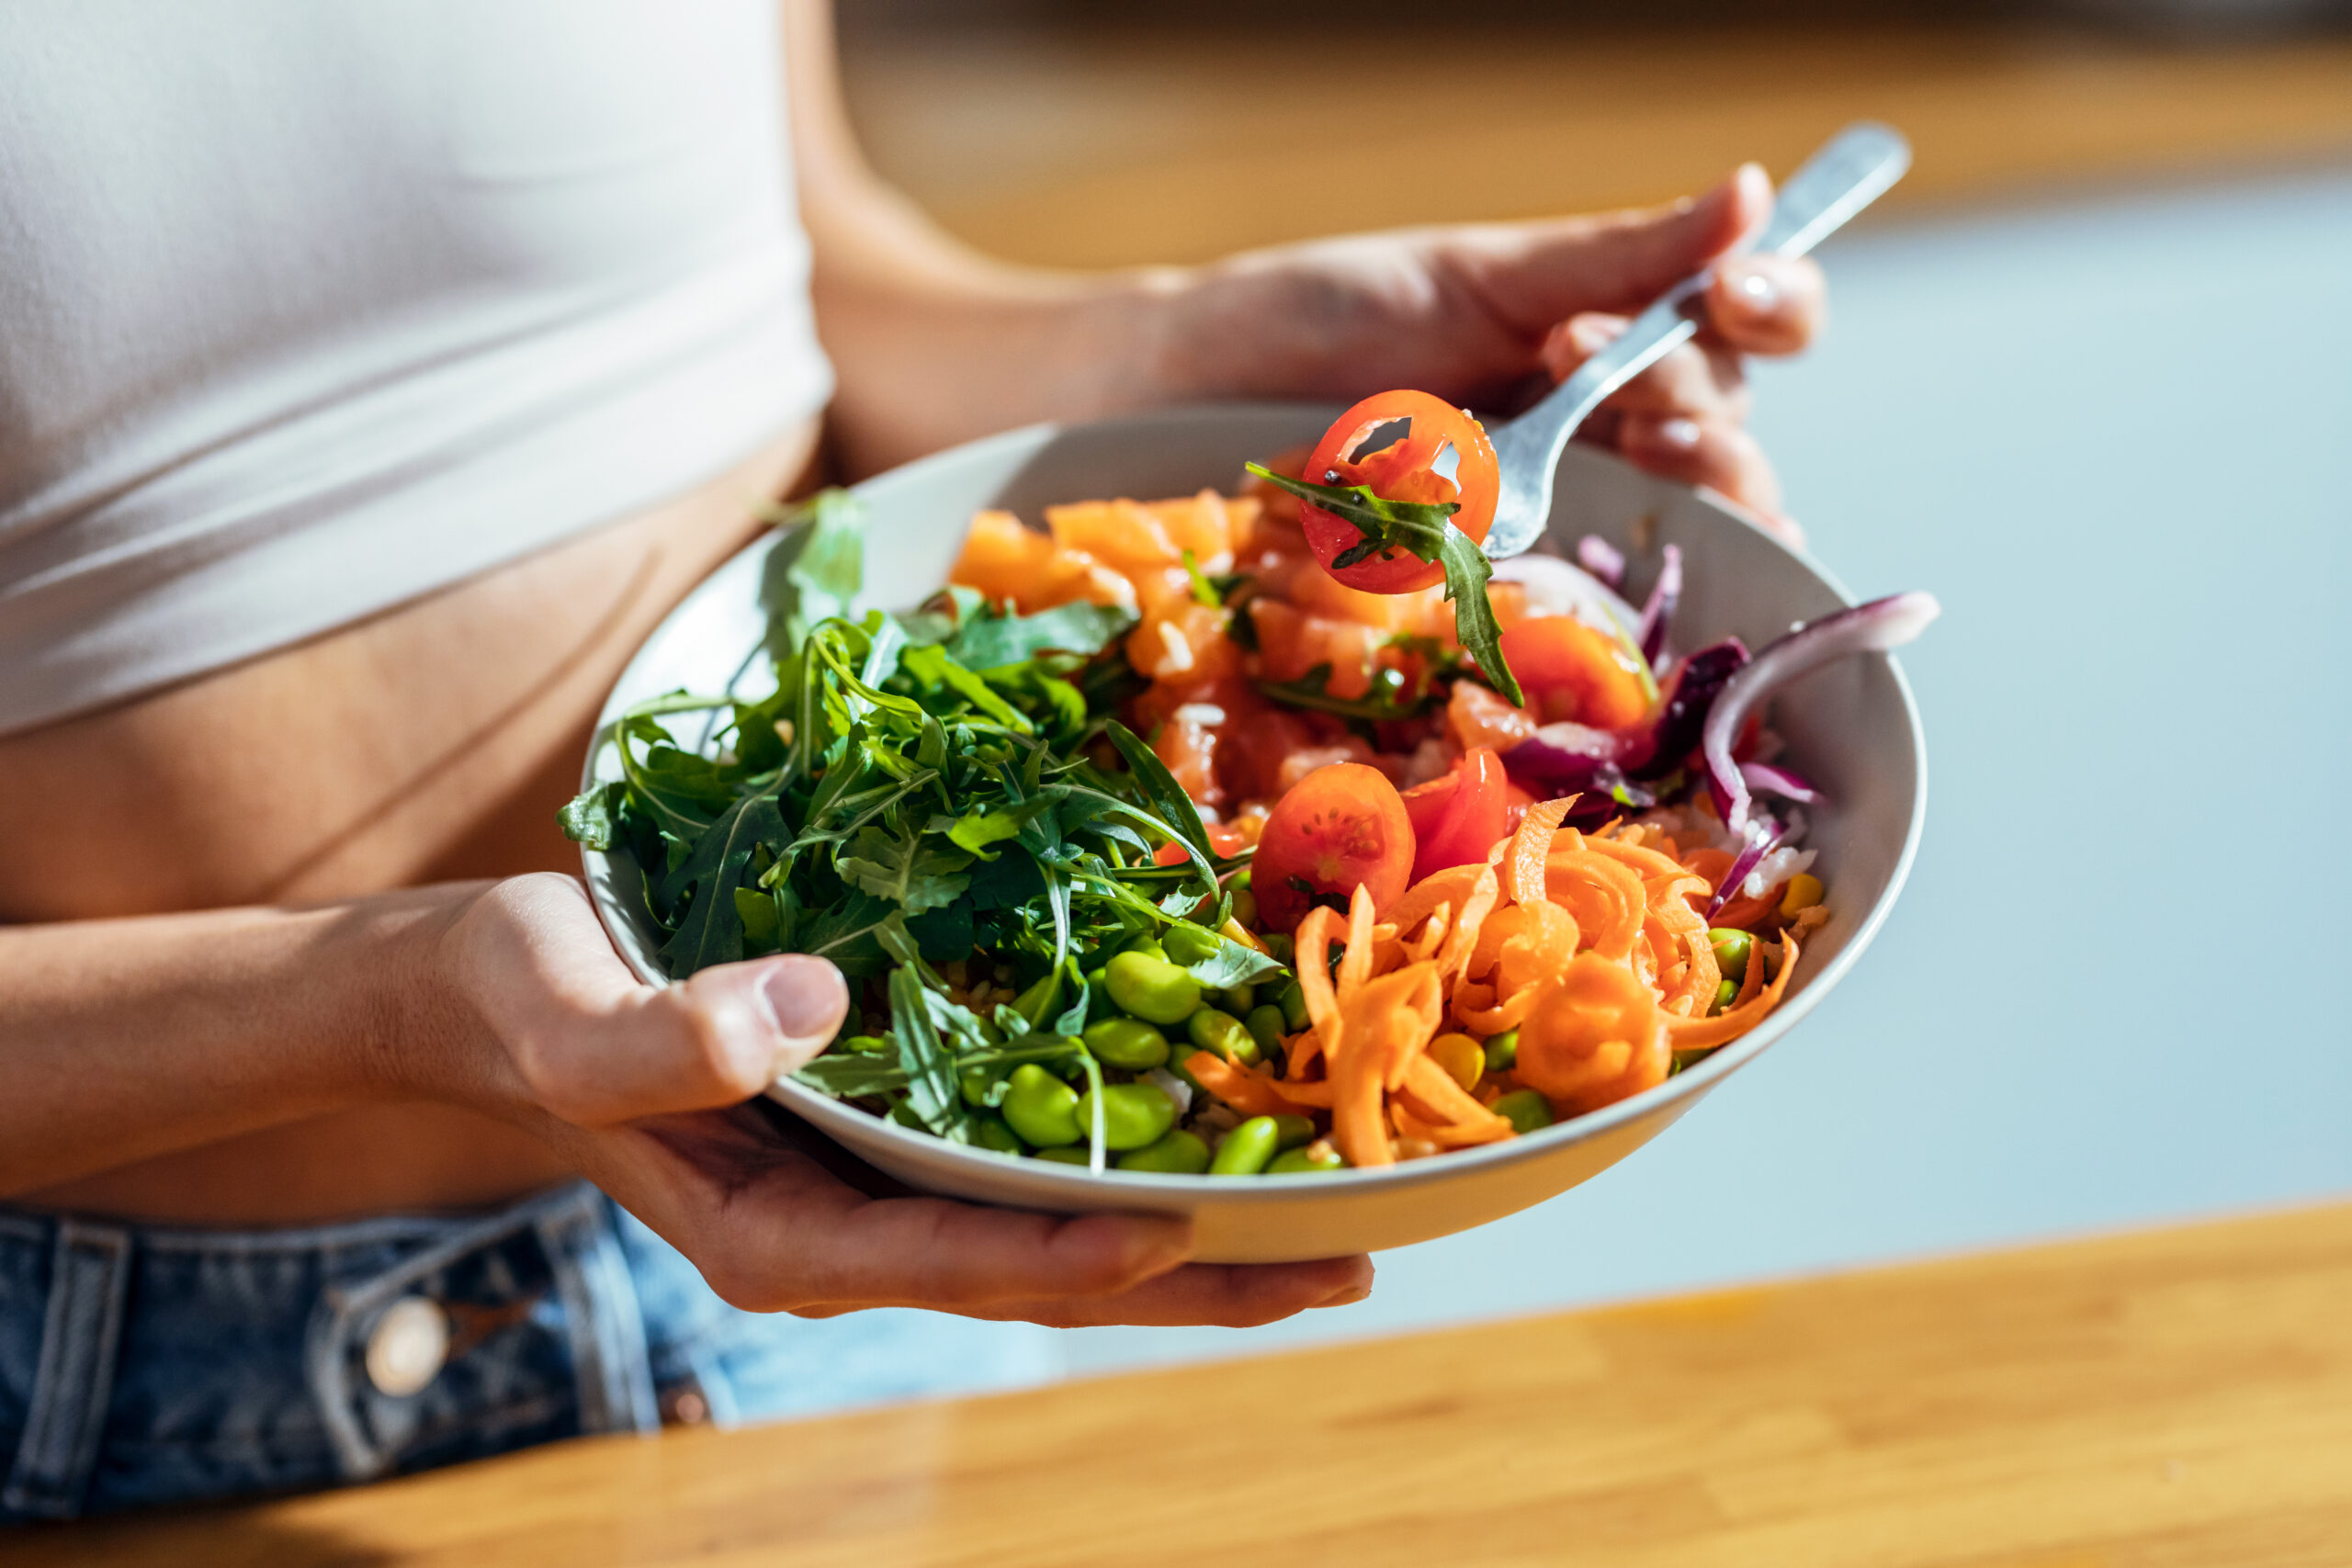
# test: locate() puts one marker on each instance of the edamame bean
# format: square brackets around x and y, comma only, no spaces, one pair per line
[1265,1026]
[865,1044]
[1186,943]
[1148,946]
[1065,1156]
[1041,1108]
[1732,947]
[1134,1114]
[1463,1059]
[1040,999]
[972,1083]
[1305,1162]
[1290,1132]
[1525,1109]
[1241,881]
[1725,992]
[1223,1033]
[1153,989]
[1178,1153]
[990,1133]
[1280,944]
[1126,1043]
[1248,1149]
[1293,1001]
[903,1114]
[1502,1052]
[1245,905]
[1238,999]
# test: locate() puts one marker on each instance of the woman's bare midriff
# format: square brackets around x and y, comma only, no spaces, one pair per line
[433,742]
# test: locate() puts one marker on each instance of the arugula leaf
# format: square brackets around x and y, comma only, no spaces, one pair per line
[1230,964]
[594,816]
[1160,789]
[990,639]
[1425,531]
[1204,592]
[902,869]
[976,830]
[1385,700]
[712,930]
[815,570]
[931,1071]
[849,932]
[933,666]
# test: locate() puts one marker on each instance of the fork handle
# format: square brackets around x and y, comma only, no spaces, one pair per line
[1850,172]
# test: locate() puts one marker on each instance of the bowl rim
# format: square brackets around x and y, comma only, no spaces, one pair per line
[1052,1180]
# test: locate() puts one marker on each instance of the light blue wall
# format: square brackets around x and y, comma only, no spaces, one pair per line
[2115,437]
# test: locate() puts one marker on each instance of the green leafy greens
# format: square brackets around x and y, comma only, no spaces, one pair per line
[1425,531]
[939,789]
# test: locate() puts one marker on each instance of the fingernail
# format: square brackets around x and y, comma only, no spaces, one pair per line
[806,997]
[1757,293]
[1348,1297]
[1592,336]
[1681,432]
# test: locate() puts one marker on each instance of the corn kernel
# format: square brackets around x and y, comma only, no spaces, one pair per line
[1805,892]
[1463,1058]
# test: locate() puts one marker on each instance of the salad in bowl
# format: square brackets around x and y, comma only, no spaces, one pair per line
[1259,837]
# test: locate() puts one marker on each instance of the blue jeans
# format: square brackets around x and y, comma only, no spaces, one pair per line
[145,1365]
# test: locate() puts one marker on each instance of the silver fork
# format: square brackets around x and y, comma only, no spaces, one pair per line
[1850,172]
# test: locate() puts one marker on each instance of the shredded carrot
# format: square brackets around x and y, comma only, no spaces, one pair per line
[1480,904]
[1583,1032]
[1607,899]
[1246,1091]
[1691,1034]
[1447,1103]
[1382,1024]
[1524,877]
[1709,863]
[1647,862]
[1355,964]
[1452,886]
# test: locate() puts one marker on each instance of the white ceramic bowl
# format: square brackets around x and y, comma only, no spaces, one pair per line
[1852,727]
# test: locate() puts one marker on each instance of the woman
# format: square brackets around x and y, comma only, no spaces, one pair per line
[368,391]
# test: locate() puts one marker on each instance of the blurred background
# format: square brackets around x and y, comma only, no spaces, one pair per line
[2084,380]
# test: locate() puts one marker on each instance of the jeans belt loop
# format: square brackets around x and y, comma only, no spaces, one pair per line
[602,1322]
[73,1382]
[602,1317]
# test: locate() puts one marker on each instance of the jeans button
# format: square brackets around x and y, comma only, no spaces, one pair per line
[407,1347]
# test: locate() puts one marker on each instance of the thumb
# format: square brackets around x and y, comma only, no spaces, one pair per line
[718,1038]
[1536,275]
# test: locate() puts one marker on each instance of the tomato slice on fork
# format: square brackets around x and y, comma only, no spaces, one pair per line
[1440,453]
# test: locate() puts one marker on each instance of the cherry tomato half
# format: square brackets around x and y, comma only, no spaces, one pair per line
[1457,818]
[1401,472]
[1223,841]
[1571,672]
[1339,825]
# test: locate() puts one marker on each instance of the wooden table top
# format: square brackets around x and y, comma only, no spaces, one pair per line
[2149,1401]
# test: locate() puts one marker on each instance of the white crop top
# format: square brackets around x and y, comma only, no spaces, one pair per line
[311,307]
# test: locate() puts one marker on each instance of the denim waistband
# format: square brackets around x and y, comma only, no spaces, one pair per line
[144,1364]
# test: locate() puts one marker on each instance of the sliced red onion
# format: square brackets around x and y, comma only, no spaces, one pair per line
[1575,759]
[1603,560]
[1763,778]
[1554,587]
[1682,717]
[1867,628]
[1655,614]
[1762,837]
